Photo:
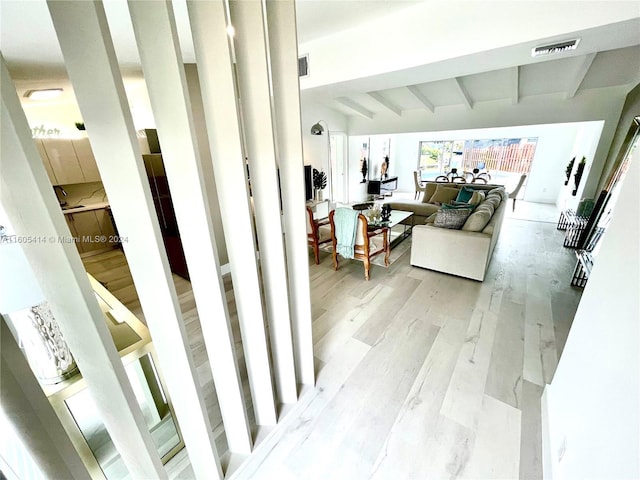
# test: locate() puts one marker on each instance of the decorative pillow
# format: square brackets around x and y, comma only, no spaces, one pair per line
[465,194]
[431,218]
[452,218]
[443,195]
[477,220]
[477,198]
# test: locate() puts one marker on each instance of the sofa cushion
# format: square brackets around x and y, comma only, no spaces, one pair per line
[477,220]
[494,200]
[452,218]
[443,195]
[477,198]
[419,209]
[486,206]
[497,190]
[429,191]
[453,205]
[465,194]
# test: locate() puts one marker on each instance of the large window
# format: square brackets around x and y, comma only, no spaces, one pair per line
[501,157]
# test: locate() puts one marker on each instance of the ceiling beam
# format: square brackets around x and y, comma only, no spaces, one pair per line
[385,103]
[356,107]
[421,97]
[581,72]
[463,93]
[514,87]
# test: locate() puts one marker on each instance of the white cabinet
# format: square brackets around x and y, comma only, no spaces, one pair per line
[86,160]
[68,161]
[92,230]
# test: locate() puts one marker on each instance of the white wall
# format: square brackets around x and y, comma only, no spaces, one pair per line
[604,104]
[555,144]
[585,146]
[592,403]
[315,147]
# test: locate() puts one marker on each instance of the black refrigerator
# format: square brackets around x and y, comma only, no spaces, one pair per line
[154,166]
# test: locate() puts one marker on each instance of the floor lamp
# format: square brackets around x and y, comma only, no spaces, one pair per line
[318,129]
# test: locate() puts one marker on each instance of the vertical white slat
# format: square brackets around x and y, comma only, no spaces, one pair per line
[156,36]
[253,80]
[33,211]
[27,408]
[283,47]
[215,71]
[92,66]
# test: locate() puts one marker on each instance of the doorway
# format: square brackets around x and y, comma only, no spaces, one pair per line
[338,183]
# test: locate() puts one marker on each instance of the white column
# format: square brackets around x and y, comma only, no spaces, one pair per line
[253,80]
[283,47]
[92,66]
[156,36]
[30,204]
[215,70]
[32,416]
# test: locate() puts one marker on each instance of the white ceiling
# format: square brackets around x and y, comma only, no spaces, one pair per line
[607,56]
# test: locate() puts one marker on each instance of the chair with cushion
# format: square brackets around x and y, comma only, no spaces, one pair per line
[418,183]
[316,234]
[367,243]
[514,194]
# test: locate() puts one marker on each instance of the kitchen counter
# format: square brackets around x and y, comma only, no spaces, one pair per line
[86,208]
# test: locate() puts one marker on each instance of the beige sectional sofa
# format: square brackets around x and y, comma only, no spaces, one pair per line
[464,251]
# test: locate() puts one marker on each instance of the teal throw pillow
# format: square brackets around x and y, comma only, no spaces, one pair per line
[465,194]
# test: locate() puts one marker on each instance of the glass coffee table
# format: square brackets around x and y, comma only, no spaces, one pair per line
[399,218]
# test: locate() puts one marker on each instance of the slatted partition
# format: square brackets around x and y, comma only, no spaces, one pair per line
[270,278]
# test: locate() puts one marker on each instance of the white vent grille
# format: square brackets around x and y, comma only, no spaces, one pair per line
[303,66]
[555,48]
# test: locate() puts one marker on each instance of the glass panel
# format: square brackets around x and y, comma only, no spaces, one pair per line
[153,403]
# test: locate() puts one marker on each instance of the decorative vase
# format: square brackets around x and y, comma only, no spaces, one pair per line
[43,343]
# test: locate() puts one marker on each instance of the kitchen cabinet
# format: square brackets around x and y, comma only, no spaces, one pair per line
[63,160]
[86,159]
[46,162]
[92,230]
[68,161]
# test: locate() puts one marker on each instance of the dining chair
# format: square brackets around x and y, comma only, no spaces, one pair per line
[369,242]
[316,234]
[418,183]
[514,194]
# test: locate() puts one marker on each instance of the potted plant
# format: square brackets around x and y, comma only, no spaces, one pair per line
[319,183]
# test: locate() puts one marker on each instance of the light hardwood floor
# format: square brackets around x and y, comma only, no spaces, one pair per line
[419,374]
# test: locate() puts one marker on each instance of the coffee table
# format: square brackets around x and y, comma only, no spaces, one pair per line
[398,217]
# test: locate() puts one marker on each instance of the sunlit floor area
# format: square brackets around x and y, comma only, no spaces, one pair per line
[419,374]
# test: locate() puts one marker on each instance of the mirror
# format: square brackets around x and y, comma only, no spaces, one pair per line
[155,408]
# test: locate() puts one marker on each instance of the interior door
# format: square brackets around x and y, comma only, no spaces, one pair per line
[339,167]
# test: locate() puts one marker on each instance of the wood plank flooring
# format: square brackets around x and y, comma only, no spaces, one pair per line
[419,374]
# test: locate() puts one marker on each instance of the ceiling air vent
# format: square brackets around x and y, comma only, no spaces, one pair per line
[303,66]
[555,48]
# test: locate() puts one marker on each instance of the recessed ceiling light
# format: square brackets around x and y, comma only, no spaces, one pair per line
[43,94]
[555,48]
